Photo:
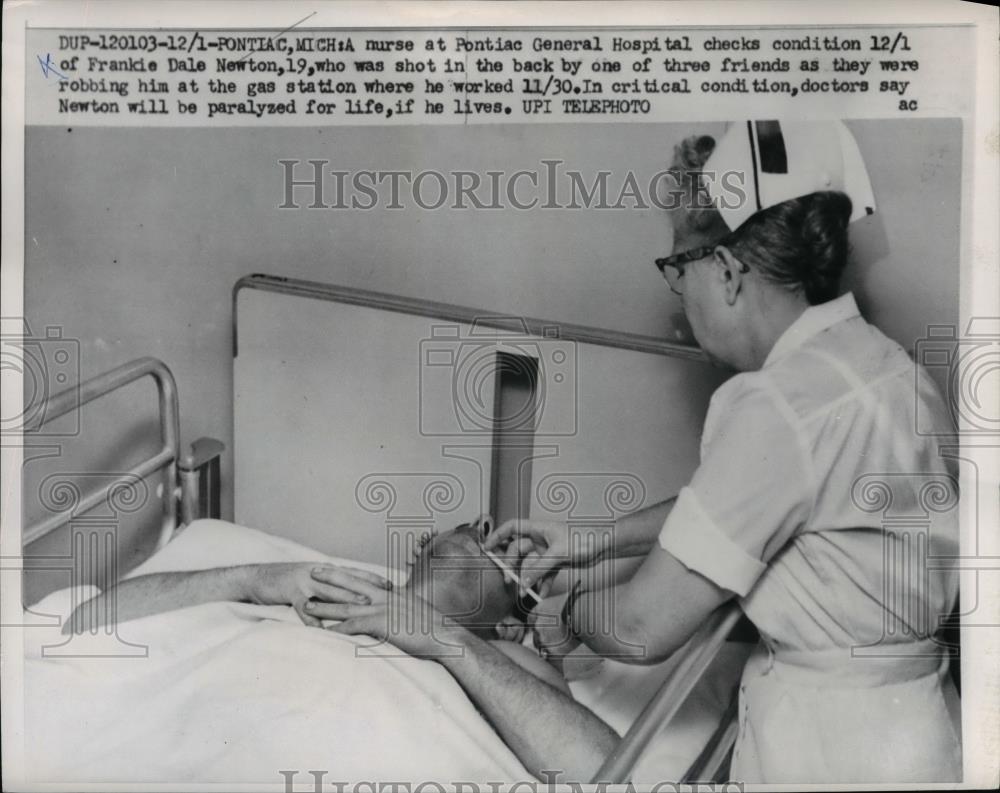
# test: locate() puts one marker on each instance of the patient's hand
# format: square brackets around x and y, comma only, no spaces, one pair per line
[298,584]
[400,617]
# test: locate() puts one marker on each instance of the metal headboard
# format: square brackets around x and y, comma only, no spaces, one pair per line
[449,312]
[194,478]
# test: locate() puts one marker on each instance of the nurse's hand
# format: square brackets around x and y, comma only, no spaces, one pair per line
[539,548]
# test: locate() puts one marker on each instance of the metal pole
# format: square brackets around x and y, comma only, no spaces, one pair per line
[698,654]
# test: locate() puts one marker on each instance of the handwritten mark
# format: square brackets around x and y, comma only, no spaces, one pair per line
[49,67]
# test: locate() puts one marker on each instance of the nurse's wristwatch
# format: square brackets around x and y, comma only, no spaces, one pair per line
[566,615]
[565,619]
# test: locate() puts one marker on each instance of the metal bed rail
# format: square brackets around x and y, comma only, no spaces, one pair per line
[697,655]
[194,479]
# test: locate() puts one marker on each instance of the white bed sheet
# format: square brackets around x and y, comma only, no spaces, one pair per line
[236,693]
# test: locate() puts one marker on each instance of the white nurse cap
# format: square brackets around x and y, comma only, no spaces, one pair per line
[758,164]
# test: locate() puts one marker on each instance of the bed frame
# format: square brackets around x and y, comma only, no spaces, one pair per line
[195,494]
[194,477]
[697,654]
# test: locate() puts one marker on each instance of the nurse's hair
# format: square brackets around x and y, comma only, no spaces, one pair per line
[800,244]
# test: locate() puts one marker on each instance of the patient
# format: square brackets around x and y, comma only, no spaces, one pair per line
[450,572]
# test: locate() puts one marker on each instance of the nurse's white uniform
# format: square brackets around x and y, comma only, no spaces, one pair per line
[819,504]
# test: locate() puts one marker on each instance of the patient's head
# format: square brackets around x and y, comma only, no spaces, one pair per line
[452,573]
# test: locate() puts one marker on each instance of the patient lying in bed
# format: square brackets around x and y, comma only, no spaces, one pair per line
[210,677]
[450,572]
[221,682]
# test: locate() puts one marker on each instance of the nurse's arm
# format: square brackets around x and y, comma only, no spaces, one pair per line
[537,548]
[651,615]
[637,533]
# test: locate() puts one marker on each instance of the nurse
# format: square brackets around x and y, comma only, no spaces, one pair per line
[847,684]
[807,454]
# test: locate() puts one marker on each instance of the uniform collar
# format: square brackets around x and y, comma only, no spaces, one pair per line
[813,320]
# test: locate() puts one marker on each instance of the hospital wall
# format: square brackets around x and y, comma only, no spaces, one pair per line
[134,239]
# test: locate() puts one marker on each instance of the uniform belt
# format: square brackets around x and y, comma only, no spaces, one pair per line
[841,667]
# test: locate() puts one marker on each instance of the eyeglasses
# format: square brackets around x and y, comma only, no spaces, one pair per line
[677,262]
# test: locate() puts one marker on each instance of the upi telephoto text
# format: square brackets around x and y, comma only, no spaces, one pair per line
[439,76]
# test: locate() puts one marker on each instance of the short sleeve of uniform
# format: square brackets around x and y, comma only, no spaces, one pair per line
[751,493]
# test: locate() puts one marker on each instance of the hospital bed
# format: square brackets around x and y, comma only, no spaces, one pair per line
[677,717]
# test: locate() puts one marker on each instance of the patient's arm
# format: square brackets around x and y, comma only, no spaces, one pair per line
[530,661]
[267,584]
[547,729]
